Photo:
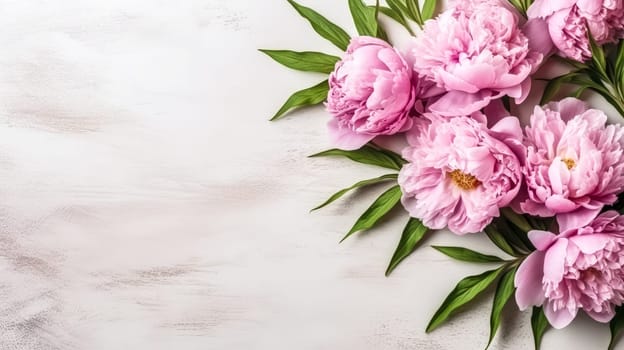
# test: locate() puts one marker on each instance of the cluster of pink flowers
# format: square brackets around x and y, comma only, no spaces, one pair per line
[568,23]
[467,158]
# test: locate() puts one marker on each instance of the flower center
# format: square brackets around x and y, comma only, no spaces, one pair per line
[570,163]
[463,180]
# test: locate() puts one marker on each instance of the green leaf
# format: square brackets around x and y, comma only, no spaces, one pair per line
[364,19]
[413,9]
[306,97]
[504,292]
[616,326]
[376,211]
[619,68]
[465,291]
[397,16]
[518,220]
[307,61]
[362,183]
[520,5]
[399,7]
[323,27]
[517,238]
[366,155]
[428,9]
[499,240]
[413,233]
[554,85]
[464,254]
[539,325]
[598,56]
[381,33]
[619,61]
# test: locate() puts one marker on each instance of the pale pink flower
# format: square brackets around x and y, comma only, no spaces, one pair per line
[581,268]
[475,52]
[568,21]
[371,94]
[460,172]
[574,161]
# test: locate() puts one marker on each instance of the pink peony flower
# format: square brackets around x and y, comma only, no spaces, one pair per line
[370,94]
[475,52]
[460,172]
[581,268]
[574,161]
[568,21]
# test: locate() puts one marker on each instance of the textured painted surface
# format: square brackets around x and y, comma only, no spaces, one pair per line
[146,203]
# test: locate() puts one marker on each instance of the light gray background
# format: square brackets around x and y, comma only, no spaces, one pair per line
[147,203]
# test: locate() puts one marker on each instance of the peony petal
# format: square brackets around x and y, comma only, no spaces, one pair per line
[344,138]
[559,318]
[568,108]
[554,261]
[577,219]
[541,239]
[560,204]
[509,127]
[604,317]
[589,244]
[456,103]
[496,111]
[545,8]
[528,281]
[534,29]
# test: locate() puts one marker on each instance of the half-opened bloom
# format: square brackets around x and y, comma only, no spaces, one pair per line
[568,21]
[370,94]
[460,172]
[475,52]
[581,268]
[574,161]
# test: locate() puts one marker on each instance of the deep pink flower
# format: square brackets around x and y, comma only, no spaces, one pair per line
[475,52]
[370,94]
[568,21]
[460,172]
[581,268]
[574,161]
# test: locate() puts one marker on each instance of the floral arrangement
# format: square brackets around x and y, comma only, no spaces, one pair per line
[549,191]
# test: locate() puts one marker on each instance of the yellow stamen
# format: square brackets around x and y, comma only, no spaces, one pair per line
[463,180]
[570,163]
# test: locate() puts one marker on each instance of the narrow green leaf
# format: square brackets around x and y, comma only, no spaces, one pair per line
[399,7]
[413,9]
[362,183]
[364,19]
[365,155]
[464,254]
[396,158]
[517,238]
[381,33]
[428,9]
[554,85]
[323,26]
[616,326]
[504,292]
[306,97]
[412,234]
[619,61]
[518,220]
[598,56]
[307,61]
[539,325]
[499,240]
[376,211]
[465,291]
[397,17]
[578,93]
